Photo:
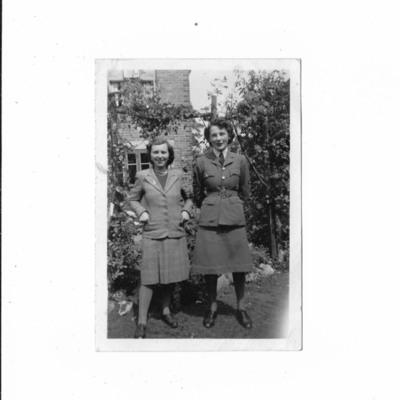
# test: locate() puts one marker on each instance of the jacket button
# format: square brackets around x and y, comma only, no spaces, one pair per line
[223,168]
[223,177]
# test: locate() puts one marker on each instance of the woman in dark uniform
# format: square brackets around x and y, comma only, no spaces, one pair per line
[221,183]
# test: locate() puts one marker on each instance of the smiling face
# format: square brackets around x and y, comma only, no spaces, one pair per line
[159,155]
[218,138]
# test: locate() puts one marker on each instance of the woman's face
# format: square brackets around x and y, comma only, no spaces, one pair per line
[219,138]
[159,155]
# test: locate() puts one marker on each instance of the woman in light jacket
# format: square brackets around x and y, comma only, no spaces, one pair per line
[155,198]
[221,183]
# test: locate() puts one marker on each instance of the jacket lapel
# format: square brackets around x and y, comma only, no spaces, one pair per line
[212,157]
[171,179]
[152,179]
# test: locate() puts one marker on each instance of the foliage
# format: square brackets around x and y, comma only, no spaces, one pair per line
[123,254]
[260,112]
[261,255]
[143,108]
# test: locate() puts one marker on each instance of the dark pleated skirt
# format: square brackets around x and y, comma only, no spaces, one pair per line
[221,250]
[164,261]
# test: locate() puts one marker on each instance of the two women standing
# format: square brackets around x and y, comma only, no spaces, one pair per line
[221,184]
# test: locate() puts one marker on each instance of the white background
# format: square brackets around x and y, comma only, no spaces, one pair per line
[350,62]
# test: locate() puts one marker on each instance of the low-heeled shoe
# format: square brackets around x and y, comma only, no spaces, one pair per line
[170,320]
[140,332]
[244,319]
[209,319]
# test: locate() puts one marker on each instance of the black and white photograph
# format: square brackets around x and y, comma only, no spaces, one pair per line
[199,184]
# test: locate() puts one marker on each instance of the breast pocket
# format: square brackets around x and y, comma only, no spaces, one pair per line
[234,177]
[210,179]
[208,174]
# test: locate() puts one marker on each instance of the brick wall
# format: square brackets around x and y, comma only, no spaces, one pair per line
[174,86]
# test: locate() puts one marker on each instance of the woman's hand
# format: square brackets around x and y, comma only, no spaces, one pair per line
[144,218]
[184,217]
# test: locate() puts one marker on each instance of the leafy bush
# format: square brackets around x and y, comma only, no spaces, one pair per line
[123,254]
[261,255]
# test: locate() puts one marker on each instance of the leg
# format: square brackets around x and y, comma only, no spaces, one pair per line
[239,280]
[167,317]
[211,287]
[145,295]
[166,298]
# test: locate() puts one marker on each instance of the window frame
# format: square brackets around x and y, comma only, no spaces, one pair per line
[137,151]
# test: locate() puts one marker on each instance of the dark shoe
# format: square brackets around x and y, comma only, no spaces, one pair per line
[170,320]
[140,332]
[209,319]
[244,319]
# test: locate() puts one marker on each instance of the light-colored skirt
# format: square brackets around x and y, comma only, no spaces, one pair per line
[164,261]
[221,250]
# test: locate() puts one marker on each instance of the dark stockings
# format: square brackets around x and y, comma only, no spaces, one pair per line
[239,280]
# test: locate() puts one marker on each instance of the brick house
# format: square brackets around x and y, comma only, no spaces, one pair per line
[174,88]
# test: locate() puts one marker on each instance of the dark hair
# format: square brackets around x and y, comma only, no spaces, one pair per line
[222,124]
[161,140]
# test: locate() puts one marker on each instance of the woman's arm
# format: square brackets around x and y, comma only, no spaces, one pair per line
[188,203]
[134,199]
[198,186]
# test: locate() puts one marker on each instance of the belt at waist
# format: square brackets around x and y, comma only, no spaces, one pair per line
[223,193]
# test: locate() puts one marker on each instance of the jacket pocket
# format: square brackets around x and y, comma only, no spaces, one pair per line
[208,174]
[235,200]
[209,211]
[232,212]
[235,172]
[210,201]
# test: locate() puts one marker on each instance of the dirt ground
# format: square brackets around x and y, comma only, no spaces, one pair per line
[266,303]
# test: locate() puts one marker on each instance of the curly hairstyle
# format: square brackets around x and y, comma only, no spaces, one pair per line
[222,124]
[156,142]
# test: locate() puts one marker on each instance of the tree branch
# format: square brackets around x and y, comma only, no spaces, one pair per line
[248,159]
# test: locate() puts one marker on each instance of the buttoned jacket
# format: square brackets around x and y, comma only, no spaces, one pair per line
[219,190]
[163,205]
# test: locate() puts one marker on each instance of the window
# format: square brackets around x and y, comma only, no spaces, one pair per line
[114,86]
[137,161]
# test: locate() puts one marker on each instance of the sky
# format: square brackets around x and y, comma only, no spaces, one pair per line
[200,85]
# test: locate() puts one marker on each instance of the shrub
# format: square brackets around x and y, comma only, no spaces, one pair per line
[123,254]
